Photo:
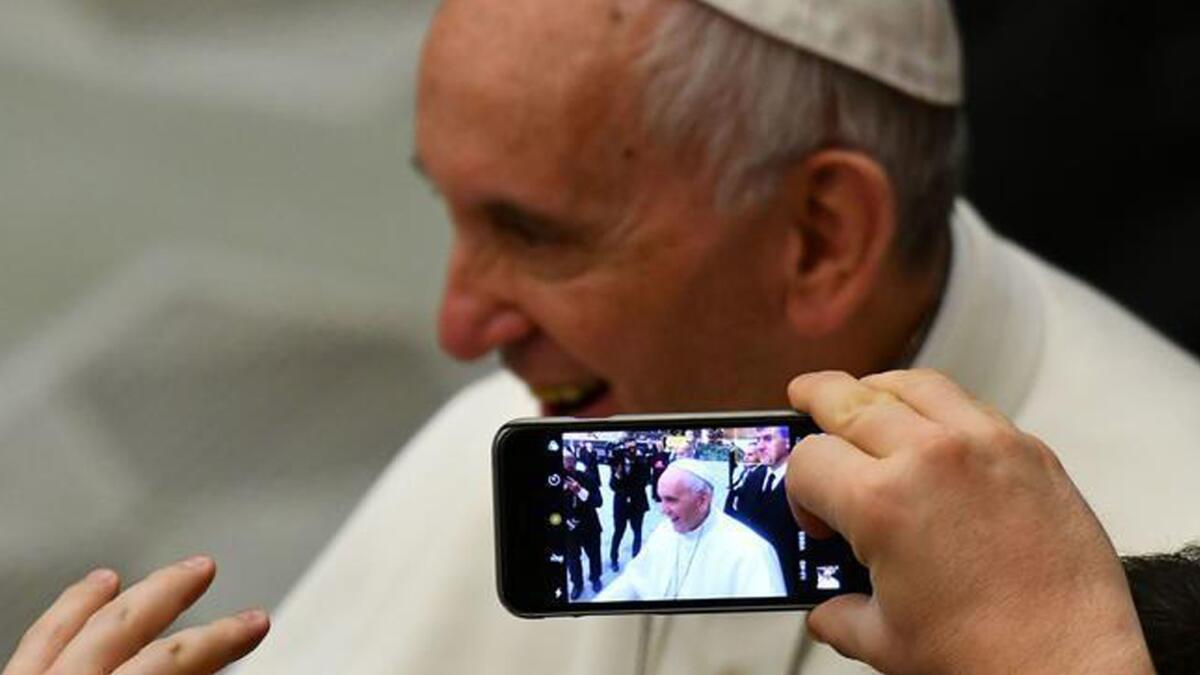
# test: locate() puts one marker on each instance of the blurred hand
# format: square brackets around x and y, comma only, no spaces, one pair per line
[91,630]
[572,486]
[984,557]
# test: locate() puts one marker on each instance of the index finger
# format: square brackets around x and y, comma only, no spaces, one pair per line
[874,420]
[939,398]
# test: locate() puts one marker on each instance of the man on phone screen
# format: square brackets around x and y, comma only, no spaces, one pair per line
[581,492]
[761,502]
[697,552]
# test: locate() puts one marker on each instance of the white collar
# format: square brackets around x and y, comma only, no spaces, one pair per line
[987,334]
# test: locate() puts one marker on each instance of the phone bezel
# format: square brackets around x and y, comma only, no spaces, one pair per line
[519,551]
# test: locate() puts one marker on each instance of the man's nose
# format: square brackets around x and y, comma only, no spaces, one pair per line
[473,322]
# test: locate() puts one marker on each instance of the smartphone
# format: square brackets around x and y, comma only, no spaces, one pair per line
[657,514]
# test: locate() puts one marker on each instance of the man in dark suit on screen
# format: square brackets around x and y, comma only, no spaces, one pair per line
[630,477]
[582,494]
[760,501]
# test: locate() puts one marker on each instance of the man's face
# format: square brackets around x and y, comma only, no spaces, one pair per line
[683,505]
[751,455]
[589,257]
[771,447]
[569,462]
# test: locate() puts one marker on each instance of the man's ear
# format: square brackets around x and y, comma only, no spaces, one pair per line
[843,223]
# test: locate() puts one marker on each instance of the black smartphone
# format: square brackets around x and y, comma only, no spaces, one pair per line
[657,513]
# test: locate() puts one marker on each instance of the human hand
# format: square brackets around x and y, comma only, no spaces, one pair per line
[984,557]
[571,485]
[90,629]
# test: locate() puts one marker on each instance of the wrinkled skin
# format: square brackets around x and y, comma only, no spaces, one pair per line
[593,259]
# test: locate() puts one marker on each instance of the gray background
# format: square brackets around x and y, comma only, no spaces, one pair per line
[218,275]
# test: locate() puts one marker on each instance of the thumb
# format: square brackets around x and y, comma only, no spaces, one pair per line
[853,625]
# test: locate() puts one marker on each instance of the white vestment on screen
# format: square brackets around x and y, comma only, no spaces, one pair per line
[721,558]
[403,590]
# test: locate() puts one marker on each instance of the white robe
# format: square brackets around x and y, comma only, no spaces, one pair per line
[721,558]
[398,591]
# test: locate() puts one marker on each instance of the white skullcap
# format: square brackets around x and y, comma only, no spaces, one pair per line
[699,469]
[911,45]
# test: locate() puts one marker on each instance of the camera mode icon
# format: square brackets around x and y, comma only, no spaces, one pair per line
[827,578]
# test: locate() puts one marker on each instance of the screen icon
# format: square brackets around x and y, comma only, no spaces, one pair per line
[553,446]
[556,558]
[827,577]
[554,480]
[555,519]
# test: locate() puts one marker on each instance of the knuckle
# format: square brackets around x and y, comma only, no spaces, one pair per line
[947,447]
[853,412]
[172,650]
[1045,456]
[993,413]
[995,435]
[119,617]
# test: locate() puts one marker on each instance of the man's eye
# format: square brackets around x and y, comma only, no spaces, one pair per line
[525,228]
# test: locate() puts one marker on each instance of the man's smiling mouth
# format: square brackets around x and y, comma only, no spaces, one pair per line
[569,399]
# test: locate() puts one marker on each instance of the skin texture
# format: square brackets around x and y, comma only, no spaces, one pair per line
[93,628]
[983,555]
[682,504]
[585,251]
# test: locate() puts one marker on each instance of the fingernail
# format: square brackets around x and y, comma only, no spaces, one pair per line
[253,616]
[197,562]
[101,577]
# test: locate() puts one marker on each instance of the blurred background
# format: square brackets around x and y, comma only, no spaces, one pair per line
[217,281]
[218,272]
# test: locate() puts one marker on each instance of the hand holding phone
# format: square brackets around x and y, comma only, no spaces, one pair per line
[983,555]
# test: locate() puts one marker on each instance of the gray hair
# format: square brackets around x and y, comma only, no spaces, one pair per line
[756,106]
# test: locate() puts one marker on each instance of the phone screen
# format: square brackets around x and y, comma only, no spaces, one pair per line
[680,514]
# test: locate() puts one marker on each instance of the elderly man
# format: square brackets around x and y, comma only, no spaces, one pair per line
[749,190]
[698,552]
